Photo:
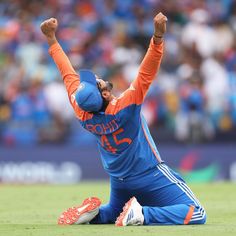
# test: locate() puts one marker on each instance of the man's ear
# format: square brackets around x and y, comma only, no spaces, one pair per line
[106,94]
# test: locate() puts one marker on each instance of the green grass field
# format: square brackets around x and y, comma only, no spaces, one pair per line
[33,210]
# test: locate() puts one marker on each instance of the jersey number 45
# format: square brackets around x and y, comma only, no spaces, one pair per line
[106,144]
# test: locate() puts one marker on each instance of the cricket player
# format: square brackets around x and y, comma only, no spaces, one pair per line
[144,190]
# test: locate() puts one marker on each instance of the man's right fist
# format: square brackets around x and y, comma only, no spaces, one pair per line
[159,25]
[49,27]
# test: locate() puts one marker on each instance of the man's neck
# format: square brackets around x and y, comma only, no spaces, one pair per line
[111,98]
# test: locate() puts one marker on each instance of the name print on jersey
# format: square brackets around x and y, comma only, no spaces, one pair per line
[110,135]
[100,129]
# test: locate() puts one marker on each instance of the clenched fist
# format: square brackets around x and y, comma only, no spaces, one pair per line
[49,27]
[159,26]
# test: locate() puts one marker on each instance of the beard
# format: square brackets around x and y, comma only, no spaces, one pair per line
[109,87]
[104,104]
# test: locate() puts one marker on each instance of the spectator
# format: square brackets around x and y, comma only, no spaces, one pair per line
[110,37]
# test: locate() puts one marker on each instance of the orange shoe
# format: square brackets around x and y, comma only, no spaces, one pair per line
[131,214]
[81,214]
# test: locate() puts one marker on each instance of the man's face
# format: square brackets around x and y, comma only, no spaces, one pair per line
[105,88]
[103,85]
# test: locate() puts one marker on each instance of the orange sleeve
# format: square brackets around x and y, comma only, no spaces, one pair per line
[135,94]
[69,76]
[148,69]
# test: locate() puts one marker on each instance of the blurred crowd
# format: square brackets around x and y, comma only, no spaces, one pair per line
[193,98]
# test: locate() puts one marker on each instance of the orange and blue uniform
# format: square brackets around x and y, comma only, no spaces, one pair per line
[128,152]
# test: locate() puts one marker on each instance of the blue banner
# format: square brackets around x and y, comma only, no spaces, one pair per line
[69,164]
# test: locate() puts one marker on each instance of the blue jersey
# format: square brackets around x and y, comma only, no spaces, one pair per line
[124,140]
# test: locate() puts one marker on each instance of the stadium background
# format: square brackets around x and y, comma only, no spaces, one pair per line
[191,107]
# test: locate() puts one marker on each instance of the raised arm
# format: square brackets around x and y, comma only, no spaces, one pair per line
[69,76]
[135,94]
[152,59]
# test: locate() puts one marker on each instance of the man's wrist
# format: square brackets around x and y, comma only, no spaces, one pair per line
[158,35]
[51,40]
[157,38]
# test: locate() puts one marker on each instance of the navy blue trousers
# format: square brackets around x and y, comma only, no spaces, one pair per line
[163,194]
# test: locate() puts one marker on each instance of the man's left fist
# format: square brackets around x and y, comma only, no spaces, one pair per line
[159,25]
[49,27]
